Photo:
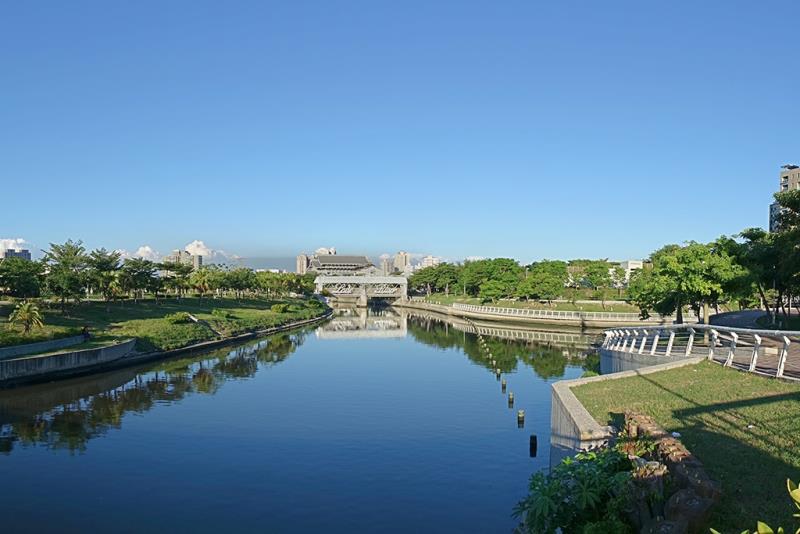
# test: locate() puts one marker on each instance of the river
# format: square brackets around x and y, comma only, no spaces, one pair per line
[379,421]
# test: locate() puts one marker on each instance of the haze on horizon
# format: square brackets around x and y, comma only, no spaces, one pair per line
[265,129]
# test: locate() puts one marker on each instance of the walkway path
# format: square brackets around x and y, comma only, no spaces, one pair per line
[738,319]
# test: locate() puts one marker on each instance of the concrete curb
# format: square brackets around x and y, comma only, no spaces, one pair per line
[572,427]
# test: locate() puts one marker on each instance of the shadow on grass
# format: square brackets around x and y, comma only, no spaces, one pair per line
[749,445]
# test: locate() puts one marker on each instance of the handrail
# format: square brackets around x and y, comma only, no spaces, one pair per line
[769,352]
[555,314]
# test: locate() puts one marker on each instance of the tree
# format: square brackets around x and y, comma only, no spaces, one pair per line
[597,275]
[137,276]
[102,274]
[67,270]
[177,276]
[27,315]
[618,278]
[240,280]
[21,278]
[200,281]
[545,280]
[695,275]
[492,290]
[425,278]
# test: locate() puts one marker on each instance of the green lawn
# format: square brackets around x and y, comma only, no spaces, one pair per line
[559,306]
[743,427]
[145,320]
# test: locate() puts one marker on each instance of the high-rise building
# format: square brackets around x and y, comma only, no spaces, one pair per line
[788,180]
[431,261]
[186,258]
[25,254]
[402,260]
[302,264]
[386,266]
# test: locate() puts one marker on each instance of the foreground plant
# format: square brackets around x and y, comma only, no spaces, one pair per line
[585,494]
[27,315]
[763,528]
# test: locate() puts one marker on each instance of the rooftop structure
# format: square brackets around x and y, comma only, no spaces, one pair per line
[334,264]
[25,254]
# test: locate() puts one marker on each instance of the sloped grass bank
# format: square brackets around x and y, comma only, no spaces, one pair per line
[155,325]
[743,427]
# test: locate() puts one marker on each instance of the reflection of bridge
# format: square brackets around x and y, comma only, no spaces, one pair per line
[360,324]
[361,288]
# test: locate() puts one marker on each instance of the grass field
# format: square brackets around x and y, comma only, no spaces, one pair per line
[146,320]
[560,306]
[743,427]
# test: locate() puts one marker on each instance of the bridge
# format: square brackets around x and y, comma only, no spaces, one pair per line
[362,288]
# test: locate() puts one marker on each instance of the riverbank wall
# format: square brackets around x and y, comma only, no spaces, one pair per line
[48,367]
[534,316]
[572,428]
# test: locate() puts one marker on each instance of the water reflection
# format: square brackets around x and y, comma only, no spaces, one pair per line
[67,414]
[350,323]
[548,359]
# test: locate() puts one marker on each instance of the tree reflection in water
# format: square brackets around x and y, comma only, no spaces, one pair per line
[66,415]
[548,360]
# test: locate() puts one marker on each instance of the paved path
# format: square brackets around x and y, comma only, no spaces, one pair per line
[738,319]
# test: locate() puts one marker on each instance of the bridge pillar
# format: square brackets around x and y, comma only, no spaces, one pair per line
[362,296]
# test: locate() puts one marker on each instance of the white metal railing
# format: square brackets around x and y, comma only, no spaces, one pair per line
[769,352]
[560,315]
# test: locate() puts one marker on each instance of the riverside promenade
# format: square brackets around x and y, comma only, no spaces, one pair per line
[579,319]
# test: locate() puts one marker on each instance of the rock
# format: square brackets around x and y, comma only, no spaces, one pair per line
[666,526]
[686,504]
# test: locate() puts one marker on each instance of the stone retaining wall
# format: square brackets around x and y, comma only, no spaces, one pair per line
[42,346]
[17,370]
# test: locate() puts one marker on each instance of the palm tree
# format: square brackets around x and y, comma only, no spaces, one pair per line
[26,314]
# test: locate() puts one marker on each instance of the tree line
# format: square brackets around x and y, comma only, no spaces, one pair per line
[504,278]
[752,269]
[68,272]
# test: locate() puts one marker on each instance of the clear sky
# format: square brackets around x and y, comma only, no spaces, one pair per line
[515,128]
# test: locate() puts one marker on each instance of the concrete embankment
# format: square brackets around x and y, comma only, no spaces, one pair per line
[572,428]
[47,367]
[537,316]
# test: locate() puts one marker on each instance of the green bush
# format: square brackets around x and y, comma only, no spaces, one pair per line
[280,307]
[178,318]
[584,494]
[220,313]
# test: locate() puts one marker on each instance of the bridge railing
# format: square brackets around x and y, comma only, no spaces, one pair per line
[768,352]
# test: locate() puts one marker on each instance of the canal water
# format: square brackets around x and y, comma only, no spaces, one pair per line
[372,422]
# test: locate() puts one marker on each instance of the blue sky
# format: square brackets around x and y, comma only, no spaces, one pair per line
[523,129]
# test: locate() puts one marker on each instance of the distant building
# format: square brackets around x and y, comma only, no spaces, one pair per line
[431,261]
[186,258]
[302,264]
[788,180]
[402,261]
[25,254]
[386,266]
[629,266]
[334,264]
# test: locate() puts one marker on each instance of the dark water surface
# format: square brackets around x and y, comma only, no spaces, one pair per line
[379,423]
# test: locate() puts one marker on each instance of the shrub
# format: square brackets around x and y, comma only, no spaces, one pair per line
[178,318]
[280,308]
[222,314]
[587,493]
